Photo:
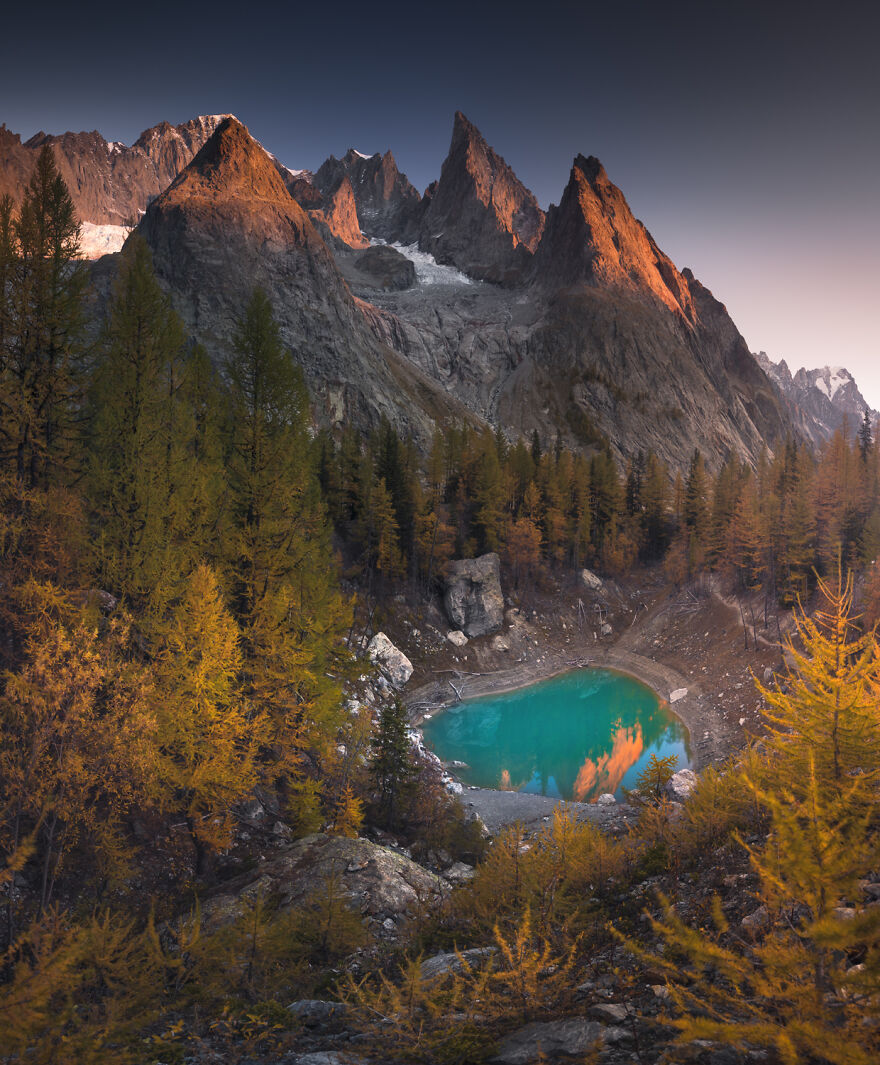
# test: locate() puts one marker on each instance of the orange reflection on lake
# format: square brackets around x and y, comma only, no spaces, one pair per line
[605,774]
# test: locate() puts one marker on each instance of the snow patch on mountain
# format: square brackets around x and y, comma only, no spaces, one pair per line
[428,270]
[95,241]
[831,378]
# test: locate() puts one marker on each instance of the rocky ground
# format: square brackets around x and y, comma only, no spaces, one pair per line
[690,638]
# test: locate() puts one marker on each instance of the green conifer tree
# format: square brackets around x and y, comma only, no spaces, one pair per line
[43,320]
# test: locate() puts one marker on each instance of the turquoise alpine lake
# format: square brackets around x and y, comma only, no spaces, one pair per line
[572,737]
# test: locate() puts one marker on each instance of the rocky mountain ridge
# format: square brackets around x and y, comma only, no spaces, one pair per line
[573,323]
[110,183]
[820,399]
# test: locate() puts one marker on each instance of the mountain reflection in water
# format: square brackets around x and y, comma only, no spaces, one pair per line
[572,737]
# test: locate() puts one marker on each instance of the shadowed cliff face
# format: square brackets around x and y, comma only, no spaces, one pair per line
[110,184]
[228,224]
[388,206]
[479,216]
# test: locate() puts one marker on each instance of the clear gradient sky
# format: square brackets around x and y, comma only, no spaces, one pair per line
[746,136]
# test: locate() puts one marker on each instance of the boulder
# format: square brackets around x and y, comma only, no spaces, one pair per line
[591,581]
[678,693]
[316,1013]
[605,629]
[455,961]
[387,268]
[550,1040]
[606,799]
[457,637]
[756,921]
[376,881]
[681,784]
[392,661]
[473,598]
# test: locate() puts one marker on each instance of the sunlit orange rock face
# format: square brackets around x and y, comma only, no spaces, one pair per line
[594,238]
[605,775]
[339,215]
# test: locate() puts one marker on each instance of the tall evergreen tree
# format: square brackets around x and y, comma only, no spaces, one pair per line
[42,325]
[277,547]
[143,453]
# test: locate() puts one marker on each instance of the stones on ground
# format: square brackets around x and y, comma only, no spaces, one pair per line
[316,1013]
[678,693]
[472,598]
[545,1041]
[457,637]
[610,1012]
[458,873]
[392,661]
[681,784]
[591,581]
[455,962]
[756,921]
[500,643]
[328,1057]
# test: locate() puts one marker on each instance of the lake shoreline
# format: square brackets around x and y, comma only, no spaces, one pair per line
[496,808]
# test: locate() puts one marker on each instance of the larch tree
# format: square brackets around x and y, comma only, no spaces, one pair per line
[277,542]
[207,734]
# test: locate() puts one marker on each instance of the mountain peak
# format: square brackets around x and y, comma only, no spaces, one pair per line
[593,238]
[480,217]
[591,168]
[231,161]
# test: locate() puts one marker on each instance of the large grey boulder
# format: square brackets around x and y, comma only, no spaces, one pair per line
[390,659]
[681,784]
[455,962]
[376,881]
[549,1040]
[473,599]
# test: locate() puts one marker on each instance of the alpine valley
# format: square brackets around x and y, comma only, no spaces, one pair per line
[428,634]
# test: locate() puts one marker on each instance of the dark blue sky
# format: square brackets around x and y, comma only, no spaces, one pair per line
[744,135]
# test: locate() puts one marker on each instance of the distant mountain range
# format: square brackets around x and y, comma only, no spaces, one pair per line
[465,303]
[821,401]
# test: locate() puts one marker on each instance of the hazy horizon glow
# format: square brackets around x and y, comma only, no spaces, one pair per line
[745,139]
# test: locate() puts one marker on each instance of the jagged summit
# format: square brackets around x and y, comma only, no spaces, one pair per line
[388,205]
[231,161]
[593,238]
[821,400]
[479,216]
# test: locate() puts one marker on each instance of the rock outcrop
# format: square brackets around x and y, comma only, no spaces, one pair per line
[473,599]
[337,216]
[379,883]
[479,216]
[388,205]
[390,659]
[385,268]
